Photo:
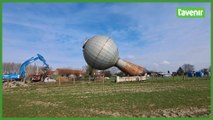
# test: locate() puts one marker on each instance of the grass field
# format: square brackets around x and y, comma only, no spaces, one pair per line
[151,98]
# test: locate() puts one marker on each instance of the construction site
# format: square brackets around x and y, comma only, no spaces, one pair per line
[100,53]
[106,60]
[95,92]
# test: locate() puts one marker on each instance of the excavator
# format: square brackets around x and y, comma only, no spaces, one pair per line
[21,74]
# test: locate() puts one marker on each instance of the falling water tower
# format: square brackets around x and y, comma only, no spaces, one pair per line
[100,52]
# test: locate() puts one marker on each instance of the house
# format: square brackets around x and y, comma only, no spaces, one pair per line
[70,73]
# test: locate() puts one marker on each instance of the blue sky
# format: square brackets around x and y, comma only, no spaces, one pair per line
[147,34]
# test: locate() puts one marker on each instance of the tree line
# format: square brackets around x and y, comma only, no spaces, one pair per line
[186,68]
[9,68]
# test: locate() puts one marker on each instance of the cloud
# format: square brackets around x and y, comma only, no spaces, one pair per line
[131,57]
[165,62]
[177,40]
[156,64]
[143,35]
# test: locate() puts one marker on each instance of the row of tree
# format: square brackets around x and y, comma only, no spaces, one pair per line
[14,68]
[186,68]
[9,68]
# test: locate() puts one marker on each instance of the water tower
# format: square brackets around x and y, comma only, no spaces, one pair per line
[100,52]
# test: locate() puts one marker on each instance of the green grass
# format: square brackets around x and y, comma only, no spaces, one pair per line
[163,97]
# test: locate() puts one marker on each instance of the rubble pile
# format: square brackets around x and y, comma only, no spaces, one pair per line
[14,84]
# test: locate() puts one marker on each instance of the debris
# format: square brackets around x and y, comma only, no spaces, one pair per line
[47,79]
[14,84]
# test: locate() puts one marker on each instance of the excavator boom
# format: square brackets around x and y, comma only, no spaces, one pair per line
[21,73]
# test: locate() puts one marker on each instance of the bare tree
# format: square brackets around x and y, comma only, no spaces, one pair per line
[113,70]
[180,71]
[205,71]
[209,68]
[14,68]
[188,68]
[11,68]
[89,70]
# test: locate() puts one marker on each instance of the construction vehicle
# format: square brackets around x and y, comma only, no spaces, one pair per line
[20,76]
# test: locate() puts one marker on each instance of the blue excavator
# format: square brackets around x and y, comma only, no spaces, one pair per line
[21,74]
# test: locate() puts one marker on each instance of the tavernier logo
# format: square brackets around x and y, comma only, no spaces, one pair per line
[187,12]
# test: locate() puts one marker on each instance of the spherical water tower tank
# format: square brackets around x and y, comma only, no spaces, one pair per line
[100,52]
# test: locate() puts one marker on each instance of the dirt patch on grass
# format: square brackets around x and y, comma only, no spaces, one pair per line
[117,89]
[107,113]
[42,90]
[42,103]
[191,112]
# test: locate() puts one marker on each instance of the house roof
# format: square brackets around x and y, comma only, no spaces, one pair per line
[69,71]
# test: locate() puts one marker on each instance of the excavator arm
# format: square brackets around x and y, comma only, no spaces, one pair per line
[22,69]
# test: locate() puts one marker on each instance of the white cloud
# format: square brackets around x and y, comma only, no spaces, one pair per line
[168,39]
[131,56]
[159,38]
[165,62]
[156,64]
